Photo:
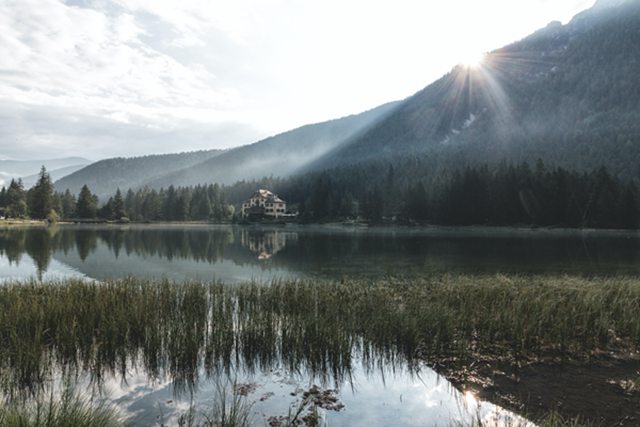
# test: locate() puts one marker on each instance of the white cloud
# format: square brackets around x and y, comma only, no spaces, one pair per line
[93,62]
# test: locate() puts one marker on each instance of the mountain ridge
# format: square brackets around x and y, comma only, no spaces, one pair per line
[105,176]
[545,96]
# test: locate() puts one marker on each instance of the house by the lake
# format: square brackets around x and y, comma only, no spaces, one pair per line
[264,202]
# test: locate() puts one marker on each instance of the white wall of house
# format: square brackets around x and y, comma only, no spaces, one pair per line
[272,205]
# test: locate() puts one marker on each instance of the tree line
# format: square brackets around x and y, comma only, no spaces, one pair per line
[503,195]
[202,202]
[399,192]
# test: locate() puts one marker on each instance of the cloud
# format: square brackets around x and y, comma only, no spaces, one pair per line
[39,132]
[66,70]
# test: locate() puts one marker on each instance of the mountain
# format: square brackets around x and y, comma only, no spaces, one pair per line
[567,94]
[280,155]
[105,176]
[26,169]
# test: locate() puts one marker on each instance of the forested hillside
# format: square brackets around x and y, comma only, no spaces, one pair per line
[569,95]
[105,176]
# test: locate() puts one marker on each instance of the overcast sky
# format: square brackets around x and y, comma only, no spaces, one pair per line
[104,78]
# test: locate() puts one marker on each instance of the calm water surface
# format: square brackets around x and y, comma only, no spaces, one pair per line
[235,253]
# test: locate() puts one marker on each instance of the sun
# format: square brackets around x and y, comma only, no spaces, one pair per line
[472,59]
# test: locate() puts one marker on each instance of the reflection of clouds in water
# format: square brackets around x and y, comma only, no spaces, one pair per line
[25,269]
[376,398]
[432,396]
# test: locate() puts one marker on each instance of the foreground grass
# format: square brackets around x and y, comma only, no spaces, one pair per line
[177,329]
[68,410]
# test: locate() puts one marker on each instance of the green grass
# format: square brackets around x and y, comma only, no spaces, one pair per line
[174,330]
[68,410]
[554,419]
[228,409]
[180,330]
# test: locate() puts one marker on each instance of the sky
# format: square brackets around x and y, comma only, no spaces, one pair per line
[110,78]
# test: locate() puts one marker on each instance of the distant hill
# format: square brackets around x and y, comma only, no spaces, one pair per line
[27,169]
[280,155]
[55,174]
[568,94]
[105,176]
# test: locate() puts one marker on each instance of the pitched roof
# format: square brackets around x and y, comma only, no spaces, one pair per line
[268,195]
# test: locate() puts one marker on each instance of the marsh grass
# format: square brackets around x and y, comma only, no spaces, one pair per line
[67,410]
[180,330]
[554,419]
[228,408]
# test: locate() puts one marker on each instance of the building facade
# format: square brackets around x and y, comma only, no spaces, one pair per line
[264,202]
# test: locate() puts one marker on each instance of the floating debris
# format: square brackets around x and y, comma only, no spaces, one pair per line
[244,389]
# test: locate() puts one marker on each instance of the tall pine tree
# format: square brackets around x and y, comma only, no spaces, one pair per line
[41,196]
[86,206]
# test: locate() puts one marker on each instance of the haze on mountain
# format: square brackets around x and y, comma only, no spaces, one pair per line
[105,176]
[567,94]
[28,170]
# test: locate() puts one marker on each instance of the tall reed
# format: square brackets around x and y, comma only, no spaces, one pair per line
[180,330]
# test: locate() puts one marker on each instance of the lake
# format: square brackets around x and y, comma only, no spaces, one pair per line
[386,394]
[239,253]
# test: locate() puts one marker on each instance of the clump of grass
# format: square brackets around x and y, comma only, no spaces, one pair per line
[554,419]
[69,410]
[230,408]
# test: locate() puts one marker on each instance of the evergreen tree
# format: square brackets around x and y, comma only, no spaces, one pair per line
[41,197]
[118,206]
[131,204]
[16,200]
[68,205]
[203,207]
[87,206]
[107,211]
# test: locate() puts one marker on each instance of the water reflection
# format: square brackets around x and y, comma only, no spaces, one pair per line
[266,244]
[235,254]
[146,343]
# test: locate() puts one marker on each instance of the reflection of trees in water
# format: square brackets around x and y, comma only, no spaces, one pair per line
[39,245]
[197,245]
[333,254]
[12,244]
[202,245]
[86,242]
[36,242]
